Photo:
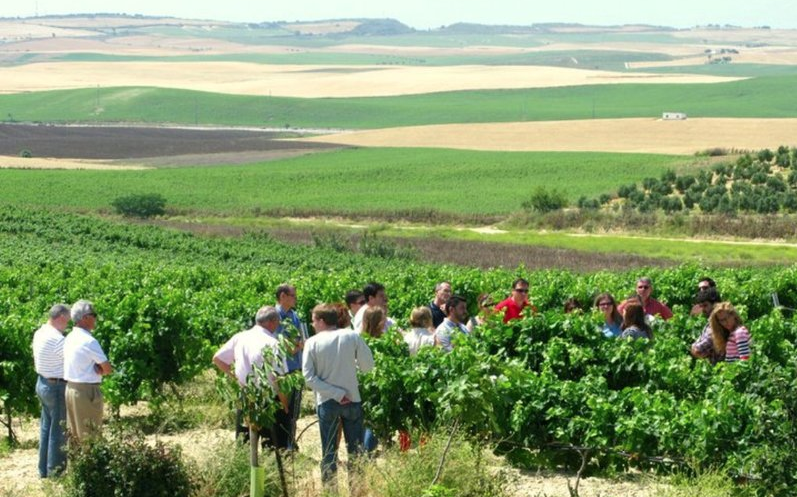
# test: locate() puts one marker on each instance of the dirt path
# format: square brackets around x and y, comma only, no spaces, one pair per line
[19,476]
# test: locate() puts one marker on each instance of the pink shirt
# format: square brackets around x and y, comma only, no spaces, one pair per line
[653,307]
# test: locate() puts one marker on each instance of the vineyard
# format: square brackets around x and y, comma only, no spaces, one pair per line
[548,390]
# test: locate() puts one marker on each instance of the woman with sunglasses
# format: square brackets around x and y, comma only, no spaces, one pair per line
[612,319]
[731,338]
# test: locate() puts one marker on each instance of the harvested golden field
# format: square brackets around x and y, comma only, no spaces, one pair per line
[313,81]
[10,162]
[638,135]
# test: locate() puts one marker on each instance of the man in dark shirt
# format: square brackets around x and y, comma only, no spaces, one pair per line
[442,292]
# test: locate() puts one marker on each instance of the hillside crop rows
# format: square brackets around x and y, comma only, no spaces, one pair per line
[167,299]
[765,97]
[350,180]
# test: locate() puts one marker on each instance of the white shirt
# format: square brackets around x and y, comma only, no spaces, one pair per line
[417,338]
[81,353]
[250,348]
[357,322]
[330,363]
[444,332]
[48,351]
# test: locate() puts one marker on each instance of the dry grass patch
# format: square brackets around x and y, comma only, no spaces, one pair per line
[295,80]
[11,162]
[637,135]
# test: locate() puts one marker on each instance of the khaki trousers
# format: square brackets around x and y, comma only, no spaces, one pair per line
[83,409]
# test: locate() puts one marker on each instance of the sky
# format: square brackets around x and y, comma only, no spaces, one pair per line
[423,14]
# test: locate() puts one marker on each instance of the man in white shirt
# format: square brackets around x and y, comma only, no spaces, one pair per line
[330,364]
[48,360]
[375,295]
[456,316]
[84,366]
[253,347]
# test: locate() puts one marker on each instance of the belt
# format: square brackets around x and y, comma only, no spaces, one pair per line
[81,383]
[55,380]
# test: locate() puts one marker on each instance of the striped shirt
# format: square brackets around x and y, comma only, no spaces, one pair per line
[48,352]
[738,346]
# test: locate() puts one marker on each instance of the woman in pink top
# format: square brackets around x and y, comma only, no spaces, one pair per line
[730,337]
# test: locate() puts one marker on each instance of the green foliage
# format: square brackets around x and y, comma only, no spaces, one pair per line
[226,474]
[371,245]
[543,200]
[754,188]
[25,153]
[754,97]
[125,465]
[141,205]
[168,299]
[342,182]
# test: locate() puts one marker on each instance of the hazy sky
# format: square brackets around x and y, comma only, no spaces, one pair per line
[434,13]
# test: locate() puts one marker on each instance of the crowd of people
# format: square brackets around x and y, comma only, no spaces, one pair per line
[70,366]
[332,357]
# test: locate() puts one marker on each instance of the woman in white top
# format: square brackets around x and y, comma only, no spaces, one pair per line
[422,332]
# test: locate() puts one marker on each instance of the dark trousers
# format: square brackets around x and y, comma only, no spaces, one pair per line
[277,436]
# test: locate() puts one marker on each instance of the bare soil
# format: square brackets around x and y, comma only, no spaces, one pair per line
[134,144]
[470,253]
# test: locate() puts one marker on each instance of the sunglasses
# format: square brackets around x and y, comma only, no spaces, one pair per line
[522,290]
[643,287]
[604,304]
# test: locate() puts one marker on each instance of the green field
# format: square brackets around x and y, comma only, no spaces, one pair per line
[384,180]
[582,59]
[766,97]
[732,70]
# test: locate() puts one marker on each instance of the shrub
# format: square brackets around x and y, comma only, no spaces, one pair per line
[543,200]
[140,205]
[372,245]
[124,465]
[25,153]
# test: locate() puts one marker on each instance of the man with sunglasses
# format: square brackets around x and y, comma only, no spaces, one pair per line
[702,286]
[85,364]
[514,305]
[644,289]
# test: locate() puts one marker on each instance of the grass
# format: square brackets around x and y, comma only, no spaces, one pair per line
[385,180]
[765,97]
[609,60]
[741,70]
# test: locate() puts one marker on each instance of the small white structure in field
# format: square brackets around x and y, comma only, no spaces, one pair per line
[673,116]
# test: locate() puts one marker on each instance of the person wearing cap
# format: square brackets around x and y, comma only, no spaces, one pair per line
[48,360]
[85,364]
[652,307]
[703,347]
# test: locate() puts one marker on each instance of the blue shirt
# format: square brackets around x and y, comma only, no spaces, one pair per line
[611,330]
[295,361]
